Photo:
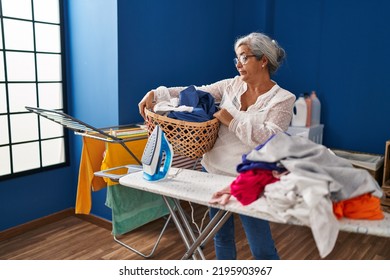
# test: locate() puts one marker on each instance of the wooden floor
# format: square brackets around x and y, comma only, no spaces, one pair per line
[75,238]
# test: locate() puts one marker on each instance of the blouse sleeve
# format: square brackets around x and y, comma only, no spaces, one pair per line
[257,128]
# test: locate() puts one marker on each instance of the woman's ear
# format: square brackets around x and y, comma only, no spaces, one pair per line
[264,61]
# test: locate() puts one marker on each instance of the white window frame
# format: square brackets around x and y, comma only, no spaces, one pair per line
[32,73]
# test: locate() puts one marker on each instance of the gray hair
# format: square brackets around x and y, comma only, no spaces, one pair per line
[260,44]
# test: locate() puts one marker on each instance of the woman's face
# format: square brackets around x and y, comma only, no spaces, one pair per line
[248,66]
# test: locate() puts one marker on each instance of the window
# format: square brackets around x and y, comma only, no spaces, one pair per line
[31,74]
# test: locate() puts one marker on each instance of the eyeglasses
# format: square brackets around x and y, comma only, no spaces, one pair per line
[243,59]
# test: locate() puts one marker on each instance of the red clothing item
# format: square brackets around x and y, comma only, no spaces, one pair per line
[249,185]
[364,206]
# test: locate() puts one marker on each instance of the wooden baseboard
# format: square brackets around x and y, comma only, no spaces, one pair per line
[96,220]
[17,230]
[14,231]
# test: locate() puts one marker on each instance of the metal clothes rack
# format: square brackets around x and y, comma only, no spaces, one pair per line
[84,129]
[81,128]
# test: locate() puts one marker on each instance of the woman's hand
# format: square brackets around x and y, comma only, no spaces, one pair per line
[146,102]
[224,116]
[221,197]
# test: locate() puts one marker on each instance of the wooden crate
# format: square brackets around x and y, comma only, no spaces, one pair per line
[376,174]
[386,177]
[386,196]
[386,169]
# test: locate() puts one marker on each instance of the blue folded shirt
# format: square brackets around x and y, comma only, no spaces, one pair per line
[202,102]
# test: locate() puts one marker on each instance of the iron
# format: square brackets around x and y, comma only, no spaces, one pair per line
[157,156]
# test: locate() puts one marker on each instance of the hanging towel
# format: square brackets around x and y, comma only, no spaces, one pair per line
[132,208]
[91,159]
[97,155]
[115,155]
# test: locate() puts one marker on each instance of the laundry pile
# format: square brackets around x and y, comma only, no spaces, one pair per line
[192,105]
[305,181]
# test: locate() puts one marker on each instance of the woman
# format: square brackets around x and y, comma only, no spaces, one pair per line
[252,108]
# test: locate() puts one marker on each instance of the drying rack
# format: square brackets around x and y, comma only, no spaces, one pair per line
[105,134]
[84,129]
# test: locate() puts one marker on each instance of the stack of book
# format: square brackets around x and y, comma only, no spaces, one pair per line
[130,132]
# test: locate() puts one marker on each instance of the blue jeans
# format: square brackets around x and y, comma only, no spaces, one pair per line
[257,232]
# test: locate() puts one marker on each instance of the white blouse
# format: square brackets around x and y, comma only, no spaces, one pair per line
[271,113]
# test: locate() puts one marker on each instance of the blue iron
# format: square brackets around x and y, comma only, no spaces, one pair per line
[157,157]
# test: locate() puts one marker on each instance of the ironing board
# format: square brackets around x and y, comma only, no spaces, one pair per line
[108,135]
[198,187]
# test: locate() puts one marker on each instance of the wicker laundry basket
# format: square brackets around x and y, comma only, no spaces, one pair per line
[189,139]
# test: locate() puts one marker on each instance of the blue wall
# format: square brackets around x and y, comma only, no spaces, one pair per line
[339,49]
[34,196]
[93,77]
[253,16]
[354,76]
[120,49]
[92,58]
[171,43]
